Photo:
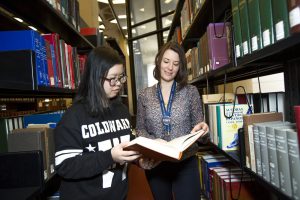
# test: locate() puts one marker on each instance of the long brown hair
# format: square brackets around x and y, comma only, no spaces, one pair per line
[181,77]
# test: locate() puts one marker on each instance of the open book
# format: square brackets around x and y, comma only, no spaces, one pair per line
[163,150]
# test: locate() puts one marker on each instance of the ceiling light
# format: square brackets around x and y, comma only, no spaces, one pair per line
[101,26]
[33,28]
[142,9]
[18,19]
[114,21]
[103,1]
[118,1]
[122,16]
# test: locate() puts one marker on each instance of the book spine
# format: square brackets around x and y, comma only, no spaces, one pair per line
[265,8]
[254,25]
[272,153]
[280,19]
[264,153]
[294,162]
[257,150]
[244,17]
[283,161]
[237,28]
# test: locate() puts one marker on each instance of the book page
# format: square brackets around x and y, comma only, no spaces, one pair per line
[183,142]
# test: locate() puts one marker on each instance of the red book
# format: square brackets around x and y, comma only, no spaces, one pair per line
[297,120]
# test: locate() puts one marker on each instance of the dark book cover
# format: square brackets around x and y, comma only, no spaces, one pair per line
[237,28]
[244,19]
[254,24]
[265,9]
[18,70]
[280,19]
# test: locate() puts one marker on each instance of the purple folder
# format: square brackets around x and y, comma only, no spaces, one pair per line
[218,44]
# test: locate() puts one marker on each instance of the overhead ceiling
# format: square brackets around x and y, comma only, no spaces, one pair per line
[107,13]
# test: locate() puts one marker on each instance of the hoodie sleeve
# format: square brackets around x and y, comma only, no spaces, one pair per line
[71,161]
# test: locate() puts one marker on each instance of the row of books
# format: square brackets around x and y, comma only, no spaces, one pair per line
[258,24]
[8,125]
[220,179]
[69,9]
[212,52]
[46,60]
[13,107]
[188,12]
[272,151]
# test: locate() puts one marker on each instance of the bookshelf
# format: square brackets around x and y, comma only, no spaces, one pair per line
[41,15]
[280,56]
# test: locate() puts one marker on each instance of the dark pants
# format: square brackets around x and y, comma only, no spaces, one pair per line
[179,180]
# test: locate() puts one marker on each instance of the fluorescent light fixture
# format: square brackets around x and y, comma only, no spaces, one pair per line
[142,9]
[102,26]
[124,27]
[118,1]
[114,21]
[18,19]
[33,28]
[122,16]
[103,1]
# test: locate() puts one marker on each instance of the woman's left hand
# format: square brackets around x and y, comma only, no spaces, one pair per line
[199,126]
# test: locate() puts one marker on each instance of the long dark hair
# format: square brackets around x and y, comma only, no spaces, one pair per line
[90,90]
[181,77]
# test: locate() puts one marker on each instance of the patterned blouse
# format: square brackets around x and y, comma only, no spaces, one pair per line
[186,112]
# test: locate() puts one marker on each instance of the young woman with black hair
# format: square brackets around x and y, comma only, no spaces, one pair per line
[92,133]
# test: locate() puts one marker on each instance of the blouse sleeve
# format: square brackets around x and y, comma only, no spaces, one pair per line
[195,106]
[141,129]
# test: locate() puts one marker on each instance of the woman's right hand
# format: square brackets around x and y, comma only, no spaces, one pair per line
[147,163]
[121,156]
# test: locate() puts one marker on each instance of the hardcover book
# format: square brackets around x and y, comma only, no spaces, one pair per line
[250,120]
[163,150]
[254,24]
[265,8]
[237,28]
[244,18]
[280,19]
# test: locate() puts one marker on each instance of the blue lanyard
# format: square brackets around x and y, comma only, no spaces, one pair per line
[166,120]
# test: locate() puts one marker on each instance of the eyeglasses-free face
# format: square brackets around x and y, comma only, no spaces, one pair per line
[113,81]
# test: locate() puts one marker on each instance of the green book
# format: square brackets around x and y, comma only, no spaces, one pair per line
[280,19]
[244,20]
[3,135]
[237,28]
[254,25]
[266,20]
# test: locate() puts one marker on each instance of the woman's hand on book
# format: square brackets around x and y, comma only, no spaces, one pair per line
[199,126]
[147,163]
[121,156]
